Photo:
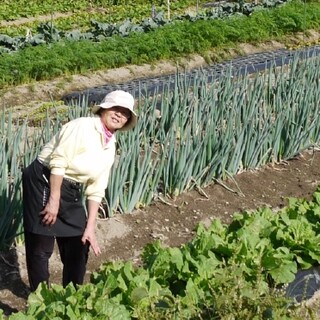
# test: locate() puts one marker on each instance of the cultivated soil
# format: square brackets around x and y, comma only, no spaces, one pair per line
[170,220]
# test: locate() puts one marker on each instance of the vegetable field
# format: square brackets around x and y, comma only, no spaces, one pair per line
[173,224]
[203,134]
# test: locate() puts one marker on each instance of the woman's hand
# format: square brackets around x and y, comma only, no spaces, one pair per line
[50,212]
[89,235]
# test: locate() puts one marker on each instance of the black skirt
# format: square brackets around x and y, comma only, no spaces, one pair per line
[71,219]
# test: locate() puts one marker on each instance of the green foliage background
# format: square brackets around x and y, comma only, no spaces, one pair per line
[45,62]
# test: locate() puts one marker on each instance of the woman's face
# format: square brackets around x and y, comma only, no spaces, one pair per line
[115,118]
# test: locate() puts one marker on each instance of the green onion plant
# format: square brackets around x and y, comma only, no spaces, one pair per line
[187,136]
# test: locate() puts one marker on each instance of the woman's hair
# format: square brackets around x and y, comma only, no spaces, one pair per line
[98,113]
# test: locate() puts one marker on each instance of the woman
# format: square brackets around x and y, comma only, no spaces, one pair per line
[77,160]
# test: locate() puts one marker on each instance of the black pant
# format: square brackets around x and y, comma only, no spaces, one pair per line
[73,254]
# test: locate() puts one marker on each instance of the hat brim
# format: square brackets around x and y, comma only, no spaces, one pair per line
[130,124]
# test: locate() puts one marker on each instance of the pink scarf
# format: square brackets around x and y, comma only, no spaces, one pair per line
[106,133]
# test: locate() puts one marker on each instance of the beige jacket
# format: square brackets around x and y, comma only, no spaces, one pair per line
[78,152]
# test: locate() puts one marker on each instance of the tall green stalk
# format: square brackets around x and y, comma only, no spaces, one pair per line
[186,137]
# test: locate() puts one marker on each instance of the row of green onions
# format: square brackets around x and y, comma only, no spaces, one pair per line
[205,131]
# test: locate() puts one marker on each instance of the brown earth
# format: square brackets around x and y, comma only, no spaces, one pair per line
[170,220]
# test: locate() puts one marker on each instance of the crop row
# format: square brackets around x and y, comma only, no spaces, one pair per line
[220,129]
[45,62]
[15,9]
[102,31]
[235,271]
[80,19]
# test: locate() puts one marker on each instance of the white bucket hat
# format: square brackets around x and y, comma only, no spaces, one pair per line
[119,98]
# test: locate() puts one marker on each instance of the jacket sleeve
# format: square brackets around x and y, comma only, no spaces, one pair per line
[65,147]
[95,190]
